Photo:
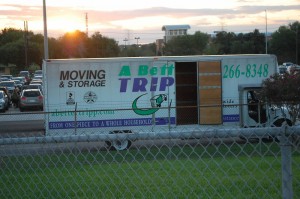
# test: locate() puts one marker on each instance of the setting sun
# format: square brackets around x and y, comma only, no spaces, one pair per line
[66,23]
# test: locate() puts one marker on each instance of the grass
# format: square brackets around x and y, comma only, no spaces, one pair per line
[213,171]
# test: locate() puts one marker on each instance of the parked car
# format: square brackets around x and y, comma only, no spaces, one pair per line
[36,81]
[25,74]
[32,86]
[35,86]
[9,77]
[18,83]
[4,89]
[4,102]
[38,73]
[31,99]
[3,79]
[10,85]
[22,79]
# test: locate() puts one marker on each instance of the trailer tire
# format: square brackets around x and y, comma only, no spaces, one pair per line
[119,145]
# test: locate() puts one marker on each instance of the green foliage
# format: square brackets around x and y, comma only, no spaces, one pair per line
[33,67]
[283,43]
[187,44]
[249,43]
[10,35]
[100,46]
[283,91]
[224,41]
[12,52]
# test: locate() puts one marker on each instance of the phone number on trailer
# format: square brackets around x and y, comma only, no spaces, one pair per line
[252,70]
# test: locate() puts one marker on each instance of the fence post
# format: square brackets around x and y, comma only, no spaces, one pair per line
[75,119]
[286,165]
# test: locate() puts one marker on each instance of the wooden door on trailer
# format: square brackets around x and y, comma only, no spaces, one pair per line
[210,92]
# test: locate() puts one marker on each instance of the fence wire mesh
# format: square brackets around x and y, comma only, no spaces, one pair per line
[160,161]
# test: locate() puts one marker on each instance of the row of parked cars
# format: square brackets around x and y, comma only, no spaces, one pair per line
[21,92]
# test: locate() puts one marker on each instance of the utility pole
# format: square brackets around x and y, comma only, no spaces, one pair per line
[26,42]
[46,56]
[297,24]
[125,40]
[86,25]
[266,33]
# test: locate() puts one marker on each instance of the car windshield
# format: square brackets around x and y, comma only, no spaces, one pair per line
[32,86]
[31,94]
[1,94]
[38,72]
[24,73]
[6,76]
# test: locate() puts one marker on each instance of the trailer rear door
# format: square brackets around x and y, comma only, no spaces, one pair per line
[210,92]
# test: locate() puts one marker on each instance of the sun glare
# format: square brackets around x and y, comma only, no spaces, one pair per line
[66,24]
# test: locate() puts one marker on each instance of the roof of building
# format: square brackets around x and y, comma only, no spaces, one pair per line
[175,27]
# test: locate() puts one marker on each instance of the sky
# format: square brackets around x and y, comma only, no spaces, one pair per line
[130,19]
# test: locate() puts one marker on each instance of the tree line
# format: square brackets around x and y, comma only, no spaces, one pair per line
[23,49]
[284,43]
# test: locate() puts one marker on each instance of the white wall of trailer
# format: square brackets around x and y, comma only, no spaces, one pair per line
[121,82]
[96,88]
[239,70]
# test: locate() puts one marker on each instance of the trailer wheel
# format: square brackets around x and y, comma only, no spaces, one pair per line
[119,145]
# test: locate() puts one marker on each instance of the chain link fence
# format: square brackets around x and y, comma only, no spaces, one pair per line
[160,161]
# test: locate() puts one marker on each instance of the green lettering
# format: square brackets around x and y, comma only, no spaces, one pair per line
[163,69]
[170,69]
[125,71]
[143,70]
[153,71]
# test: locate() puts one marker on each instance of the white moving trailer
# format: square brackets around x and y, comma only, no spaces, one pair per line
[121,94]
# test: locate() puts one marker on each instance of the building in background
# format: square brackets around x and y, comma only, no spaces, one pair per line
[7,69]
[174,30]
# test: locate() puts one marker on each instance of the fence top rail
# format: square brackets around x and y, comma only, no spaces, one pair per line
[151,135]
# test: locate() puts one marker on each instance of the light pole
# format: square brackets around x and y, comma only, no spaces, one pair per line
[297,43]
[125,40]
[45,32]
[266,32]
[137,40]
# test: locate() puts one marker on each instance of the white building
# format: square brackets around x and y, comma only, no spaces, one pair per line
[174,30]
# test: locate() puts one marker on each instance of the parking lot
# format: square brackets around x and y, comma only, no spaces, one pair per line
[16,124]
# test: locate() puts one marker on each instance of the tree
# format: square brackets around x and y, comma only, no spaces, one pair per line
[55,49]
[74,44]
[224,41]
[12,47]
[100,46]
[187,44]
[285,43]
[284,92]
